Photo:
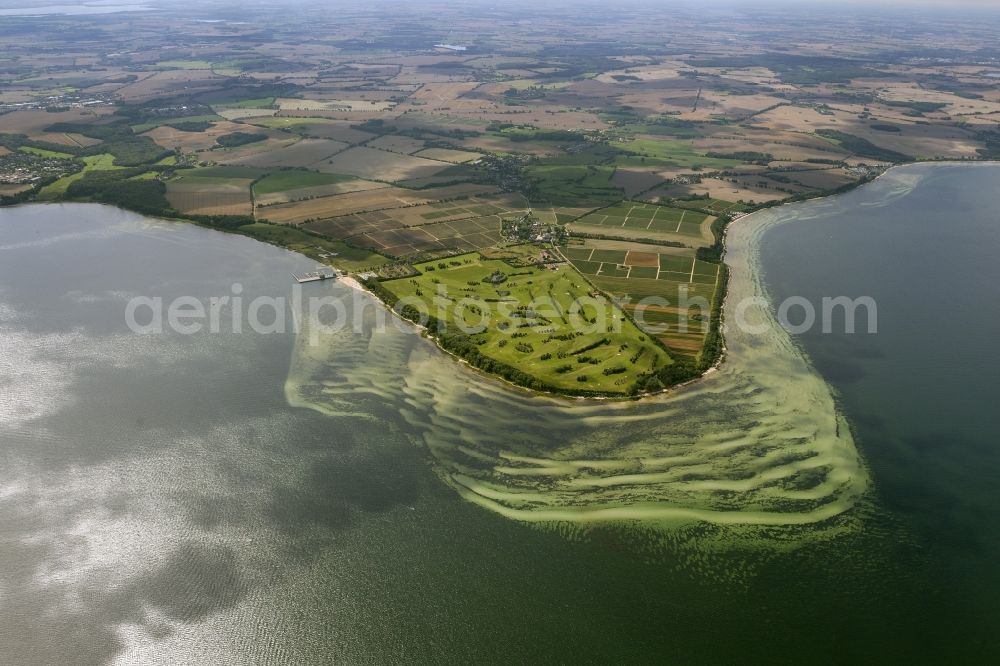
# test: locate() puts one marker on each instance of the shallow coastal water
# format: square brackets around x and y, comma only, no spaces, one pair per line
[758,442]
[162,501]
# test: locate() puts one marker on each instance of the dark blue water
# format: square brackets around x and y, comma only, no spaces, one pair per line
[923,392]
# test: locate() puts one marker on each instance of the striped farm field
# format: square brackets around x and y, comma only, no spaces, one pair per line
[631,219]
[665,289]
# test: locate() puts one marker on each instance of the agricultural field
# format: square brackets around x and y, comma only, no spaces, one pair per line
[448,155]
[245,113]
[649,151]
[35,123]
[748,189]
[573,185]
[293,179]
[440,238]
[289,185]
[181,121]
[634,182]
[819,179]
[444,227]
[397,144]
[668,291]
[716,206]
[543,321]
[341,185]
[304,153]
[194,195]
[187,141]
[318,128]
[642,220]
[365,200]
[381,165]
[599,259]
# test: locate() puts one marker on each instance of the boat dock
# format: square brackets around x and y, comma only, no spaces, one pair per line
[321,273]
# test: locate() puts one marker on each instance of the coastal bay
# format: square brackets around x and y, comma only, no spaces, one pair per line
[151,520]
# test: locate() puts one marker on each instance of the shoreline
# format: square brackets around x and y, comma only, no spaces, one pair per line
[721,361]
[642,397]
[351,282]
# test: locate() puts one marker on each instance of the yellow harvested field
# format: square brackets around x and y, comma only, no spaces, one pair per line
[790,118]
[241,114]
[9,189]
[344,204]
[355,202]
[744,190]
[448,155]
[190,142]
[920,141]
[783,145]
[165,83]
[917,140]
[896,91]
[33,123]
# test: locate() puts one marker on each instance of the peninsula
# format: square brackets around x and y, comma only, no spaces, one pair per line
[551,206]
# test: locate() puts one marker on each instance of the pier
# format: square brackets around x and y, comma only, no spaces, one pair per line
[317,275]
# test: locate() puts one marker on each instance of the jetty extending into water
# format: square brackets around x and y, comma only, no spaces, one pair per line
[321,273]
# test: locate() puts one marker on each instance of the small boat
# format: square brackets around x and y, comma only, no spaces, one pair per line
[316,275]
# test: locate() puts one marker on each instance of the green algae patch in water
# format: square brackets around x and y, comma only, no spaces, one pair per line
[759,442]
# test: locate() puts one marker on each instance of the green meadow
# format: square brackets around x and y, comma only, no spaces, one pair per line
[549,324]
[655,152]
[41,152]
[102,162]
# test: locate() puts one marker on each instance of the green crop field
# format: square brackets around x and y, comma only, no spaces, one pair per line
[145,127]
[637,218]
[713,205]
[291,179]
[661,152]
[616,263]
[543,322]
[574,184]
[674,310]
